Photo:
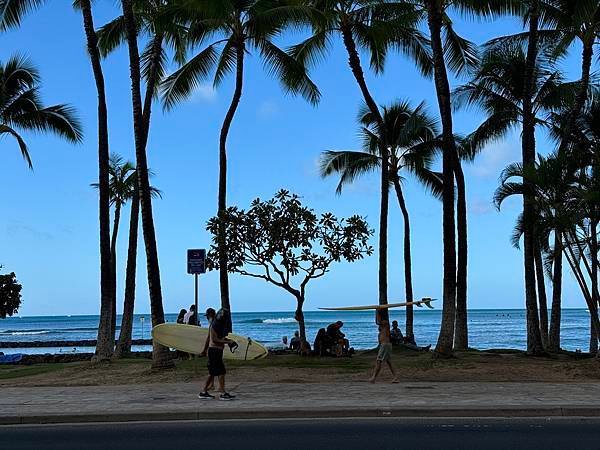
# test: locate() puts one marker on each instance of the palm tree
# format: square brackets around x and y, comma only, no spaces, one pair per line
[120,184]
[373,26]
[21,108]
[233,28]
[499,87]
[105,342]
[160,354]
[12,11]
[412,134]
[556,189]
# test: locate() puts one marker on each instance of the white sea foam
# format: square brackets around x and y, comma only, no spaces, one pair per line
[280,320]
[27,333]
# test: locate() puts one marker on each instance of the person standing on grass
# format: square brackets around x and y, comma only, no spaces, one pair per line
[385,349]
[216,343]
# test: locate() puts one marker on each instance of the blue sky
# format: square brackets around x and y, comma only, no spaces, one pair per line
[48,225]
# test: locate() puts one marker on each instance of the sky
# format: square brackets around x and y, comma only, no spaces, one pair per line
[49,218]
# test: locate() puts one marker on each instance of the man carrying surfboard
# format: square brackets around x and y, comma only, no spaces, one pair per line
[216,344]
[385,348]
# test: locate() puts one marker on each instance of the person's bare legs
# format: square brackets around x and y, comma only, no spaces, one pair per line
[375,371]
[210,383]
[389,363]
[222,384]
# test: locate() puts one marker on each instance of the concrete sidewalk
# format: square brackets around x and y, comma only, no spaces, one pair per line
[279,400]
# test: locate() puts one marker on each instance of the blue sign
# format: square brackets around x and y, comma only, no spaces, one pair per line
[196,261]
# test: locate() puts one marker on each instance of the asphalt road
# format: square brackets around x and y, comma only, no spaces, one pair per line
[382,433]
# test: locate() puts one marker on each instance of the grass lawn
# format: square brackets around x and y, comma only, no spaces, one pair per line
[412,366]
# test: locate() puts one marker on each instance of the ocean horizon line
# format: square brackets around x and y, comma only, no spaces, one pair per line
[281,311]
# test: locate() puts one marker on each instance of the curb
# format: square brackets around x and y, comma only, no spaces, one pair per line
[309,413]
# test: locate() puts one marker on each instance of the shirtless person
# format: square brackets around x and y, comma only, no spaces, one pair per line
[216,368]
[385,349]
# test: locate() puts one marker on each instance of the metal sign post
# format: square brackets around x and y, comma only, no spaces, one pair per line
[196,259]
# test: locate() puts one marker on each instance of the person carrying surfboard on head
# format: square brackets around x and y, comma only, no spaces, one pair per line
[220,326]
[384,353]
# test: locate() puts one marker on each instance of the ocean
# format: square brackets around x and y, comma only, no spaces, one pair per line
[501,328]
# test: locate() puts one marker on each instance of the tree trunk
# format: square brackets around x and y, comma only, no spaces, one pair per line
[407,257]
[160,354]
[554,337]
[113,258]
[124,342]
[594,280]
[534,338]
[539,274]
[104,345]
[445,341]
[587,55]
[357,71]
[299,316]
[461,331]
[222,204]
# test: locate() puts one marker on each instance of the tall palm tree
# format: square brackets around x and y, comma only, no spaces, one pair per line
[555,185]
[411,134]
[227,30]
[21,107]
[120,184]
[12,12]
[160,354]
[499,87]
[373,26]
[105,342]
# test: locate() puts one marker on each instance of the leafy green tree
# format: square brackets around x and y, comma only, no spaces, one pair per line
[412,136]
[374,27]
[10,295]
[105,342]
[12,12]
[227,30]
[287,244]
[21,107]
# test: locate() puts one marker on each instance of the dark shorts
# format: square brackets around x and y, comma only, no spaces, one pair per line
[215,362]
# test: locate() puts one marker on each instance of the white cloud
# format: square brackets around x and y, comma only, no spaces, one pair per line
[494,158]
[267,109]
[204,93]
[479,206]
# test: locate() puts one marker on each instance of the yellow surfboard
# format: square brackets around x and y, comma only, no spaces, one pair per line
[191,339]
[424,301]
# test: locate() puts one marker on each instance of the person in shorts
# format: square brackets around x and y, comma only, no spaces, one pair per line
[216,368]
[384,353]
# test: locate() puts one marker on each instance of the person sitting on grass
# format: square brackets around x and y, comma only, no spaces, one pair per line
[336,339]
[296,342]
[397,338]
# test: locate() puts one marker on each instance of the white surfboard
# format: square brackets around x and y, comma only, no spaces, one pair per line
[424,301]
[191,339]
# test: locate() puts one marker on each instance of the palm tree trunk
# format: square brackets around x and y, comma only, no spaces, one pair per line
[357,71]
[534,338]
[587,55]
[160,354]
[104,344]
[539,274]
[407,257]
[445,341]
[124,343]
[222,203]
[555,313]
[461,331]
[113,256]
[594,280]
